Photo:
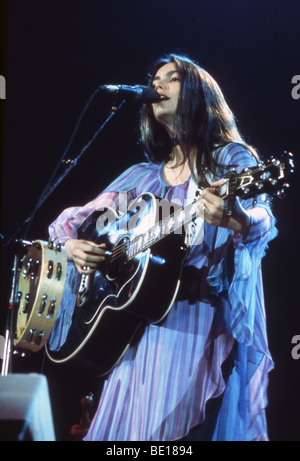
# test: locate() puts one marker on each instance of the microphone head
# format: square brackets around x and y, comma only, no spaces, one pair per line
[139,93]
[147,95]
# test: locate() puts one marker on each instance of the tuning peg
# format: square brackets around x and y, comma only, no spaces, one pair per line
[290,154]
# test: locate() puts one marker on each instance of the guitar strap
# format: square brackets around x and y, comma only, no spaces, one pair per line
[194,231]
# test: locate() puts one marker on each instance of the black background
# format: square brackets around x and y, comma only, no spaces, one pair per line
[54,54]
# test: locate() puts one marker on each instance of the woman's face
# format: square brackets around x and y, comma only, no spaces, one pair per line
[167,83]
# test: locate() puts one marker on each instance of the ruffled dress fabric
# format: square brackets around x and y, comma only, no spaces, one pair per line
[161,388]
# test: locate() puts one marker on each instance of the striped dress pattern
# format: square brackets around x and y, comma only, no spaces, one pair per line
[161,388]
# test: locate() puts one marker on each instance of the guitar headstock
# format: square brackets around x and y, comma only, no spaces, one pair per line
[269,177]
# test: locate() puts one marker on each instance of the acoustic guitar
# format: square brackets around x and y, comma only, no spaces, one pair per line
[137,284]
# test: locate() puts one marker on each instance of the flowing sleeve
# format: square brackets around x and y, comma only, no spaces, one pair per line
[117,195]
[242,415]
[245,292]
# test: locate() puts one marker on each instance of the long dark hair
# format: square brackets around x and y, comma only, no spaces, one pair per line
[203,121]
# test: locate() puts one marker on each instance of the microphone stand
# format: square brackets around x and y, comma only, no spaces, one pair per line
[53,183]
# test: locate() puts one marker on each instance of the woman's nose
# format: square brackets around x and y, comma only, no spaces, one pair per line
[161,84]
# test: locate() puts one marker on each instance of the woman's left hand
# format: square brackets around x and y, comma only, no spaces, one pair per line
[214,211]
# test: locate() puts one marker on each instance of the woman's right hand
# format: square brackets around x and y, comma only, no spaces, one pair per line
[86,255]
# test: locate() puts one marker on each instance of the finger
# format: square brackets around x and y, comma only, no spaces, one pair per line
[211,198]
[212,214]
[87,256]
[206,193]
[92,255]
[218,183]
[84,263]
[200,208]
[91,248]
[95,245]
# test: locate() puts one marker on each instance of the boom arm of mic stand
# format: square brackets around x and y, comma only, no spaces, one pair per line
[73,163]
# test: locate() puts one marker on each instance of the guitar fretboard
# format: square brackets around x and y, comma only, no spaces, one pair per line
[250,183]
[174,223]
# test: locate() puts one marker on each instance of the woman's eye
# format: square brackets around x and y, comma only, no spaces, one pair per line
[175,79]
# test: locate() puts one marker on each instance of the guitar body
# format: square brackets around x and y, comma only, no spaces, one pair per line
[127,293]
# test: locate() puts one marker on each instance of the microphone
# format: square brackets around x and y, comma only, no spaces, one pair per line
[140,93]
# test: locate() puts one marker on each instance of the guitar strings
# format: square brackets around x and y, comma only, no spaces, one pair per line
[119,250]
[154,235]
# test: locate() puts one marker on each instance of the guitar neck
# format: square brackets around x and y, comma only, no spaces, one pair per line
[266,177]
[170,224]
[166,226]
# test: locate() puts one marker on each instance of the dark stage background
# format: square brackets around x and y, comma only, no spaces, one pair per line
[54,54]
